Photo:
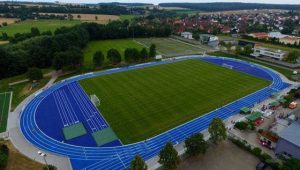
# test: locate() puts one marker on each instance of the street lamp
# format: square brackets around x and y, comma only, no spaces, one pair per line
[44,156]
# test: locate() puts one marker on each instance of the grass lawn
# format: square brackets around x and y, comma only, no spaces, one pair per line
[285,72]
[17,161]
[105,45]
[4,109]
[42,25]
[170,47]
[20,91]
[142,103]
[127,17]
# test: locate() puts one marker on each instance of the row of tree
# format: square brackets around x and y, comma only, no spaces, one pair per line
[195,145]
[228,6]
[64,47]
[131,55]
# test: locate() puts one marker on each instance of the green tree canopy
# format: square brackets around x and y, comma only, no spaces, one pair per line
[98,58]
[293,56]
[114,56]
[3,156]
[138,163]
[195,145]
[217,130]
[49,167]
[168,157]
[35,32]
[291,164]
[238,49]
[144,54]
[34,74]
[58,61]
[131,55]
[248,50]
[196,36]
[152,51]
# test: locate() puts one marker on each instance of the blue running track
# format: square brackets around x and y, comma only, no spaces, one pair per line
[65,103]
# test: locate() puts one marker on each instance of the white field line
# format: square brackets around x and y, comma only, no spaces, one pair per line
[10,100]
[148,47]
[189,44]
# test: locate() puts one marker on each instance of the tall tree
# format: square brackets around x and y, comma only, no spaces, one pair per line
[35,32]
[58,62]
[114,56]
[291,164]
[217,130]
[168,157]
[144,54]
[35,74]
[98,58]
[131,55]
[293,56]
[138,163]
[152,51]
[248,50]
[195,145]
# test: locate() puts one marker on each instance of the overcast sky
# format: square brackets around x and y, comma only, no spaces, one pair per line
[160,1]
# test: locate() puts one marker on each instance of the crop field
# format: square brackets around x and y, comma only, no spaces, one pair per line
[170,47]
[42,25]
[142,103]
[105,45]
[98,18]
[4,109]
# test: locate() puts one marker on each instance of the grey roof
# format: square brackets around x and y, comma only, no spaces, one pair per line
[291,133]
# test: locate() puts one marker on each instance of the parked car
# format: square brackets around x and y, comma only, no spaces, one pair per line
[261,166]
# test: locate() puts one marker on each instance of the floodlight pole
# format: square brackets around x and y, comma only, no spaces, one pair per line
[44,157]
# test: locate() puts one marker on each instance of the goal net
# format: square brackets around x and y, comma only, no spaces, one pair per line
[95,100]
[227,66]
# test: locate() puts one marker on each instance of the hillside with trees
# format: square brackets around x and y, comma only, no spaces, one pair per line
[228,6]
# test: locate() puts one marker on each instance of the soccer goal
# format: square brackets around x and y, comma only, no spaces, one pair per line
[95,100]
[227,66]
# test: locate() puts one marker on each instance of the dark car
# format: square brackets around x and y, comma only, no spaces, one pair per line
[261,166]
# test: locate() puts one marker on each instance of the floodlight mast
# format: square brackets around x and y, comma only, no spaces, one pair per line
[44,157]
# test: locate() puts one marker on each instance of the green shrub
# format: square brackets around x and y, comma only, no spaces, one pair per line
[265,156]
[256,151]
[241,125]
[3,156]
[50,167]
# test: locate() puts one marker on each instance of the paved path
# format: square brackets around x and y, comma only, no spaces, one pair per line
[26,80]
[26,148]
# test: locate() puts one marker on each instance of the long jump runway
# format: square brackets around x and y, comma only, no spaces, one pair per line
[74,109]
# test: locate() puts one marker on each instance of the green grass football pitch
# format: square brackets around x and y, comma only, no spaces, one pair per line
[4,109]
[169,47]
[142,103]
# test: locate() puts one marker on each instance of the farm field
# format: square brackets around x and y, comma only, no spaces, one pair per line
[4,109]
[105,45]
[170,47]
[7,20]
[42,25]
[142,103]
[101,19]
